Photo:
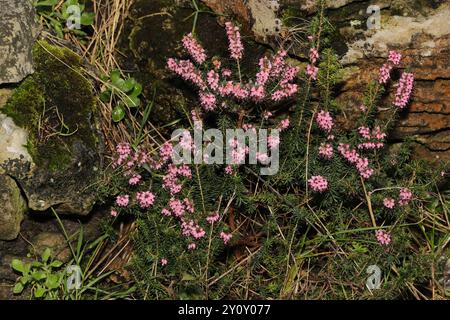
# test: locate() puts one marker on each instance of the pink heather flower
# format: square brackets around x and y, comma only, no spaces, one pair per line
[186,141]
[213,79]
[383,237]
[273,142]
[130,163]
[284,124]
[364,132]
[389,203]
[239,92]
[385,73]
[318,183]
[378,134]
[145,199]
[361,164]
[163,262]
[238,155]
[123,151]
[404,89]
[122,201]
[234,89]
[135,179]
[114,213]
[166,151]
[207,100]
[213,217]
[262,157]
[311,71]
[248,126]
[177,207]
[404,196]
[229,170]
[195,116]
[186,70]
[394,57]
[289,74]
[165,212]
[370,145]
[233,142]
[263,74]
[234,39]
[226,237]
[141,157]
[326,151]
[324,121]
[286,91]
[313,55]
[257,93]
[278,63]
[442,173]
[184,171]
[267,114]
[363,108]
[189,205]
[194,48]
[226,73]
[192,246]
[191,229]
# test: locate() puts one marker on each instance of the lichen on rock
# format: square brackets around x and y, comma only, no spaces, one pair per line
[18,30]
[13,207]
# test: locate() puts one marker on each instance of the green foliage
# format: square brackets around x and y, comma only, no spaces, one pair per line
[123,93]
[48,278]
[43,276]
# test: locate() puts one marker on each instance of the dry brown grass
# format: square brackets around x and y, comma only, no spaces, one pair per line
[102,51]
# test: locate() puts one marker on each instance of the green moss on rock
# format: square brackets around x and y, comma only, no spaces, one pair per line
[55,105]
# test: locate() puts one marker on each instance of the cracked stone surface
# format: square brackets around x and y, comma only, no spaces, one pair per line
[18,30]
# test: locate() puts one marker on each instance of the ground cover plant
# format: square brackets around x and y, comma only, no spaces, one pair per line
[321,205]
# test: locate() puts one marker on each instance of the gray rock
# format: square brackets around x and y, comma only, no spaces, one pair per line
[18,30]
[54,241]
[12,208]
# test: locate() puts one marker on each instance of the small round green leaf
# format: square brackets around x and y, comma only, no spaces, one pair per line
[18,288]
[118,114]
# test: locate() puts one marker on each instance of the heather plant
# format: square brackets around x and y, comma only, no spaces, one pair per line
[340,201]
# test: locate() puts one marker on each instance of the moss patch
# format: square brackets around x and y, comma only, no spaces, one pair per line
[55,105]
